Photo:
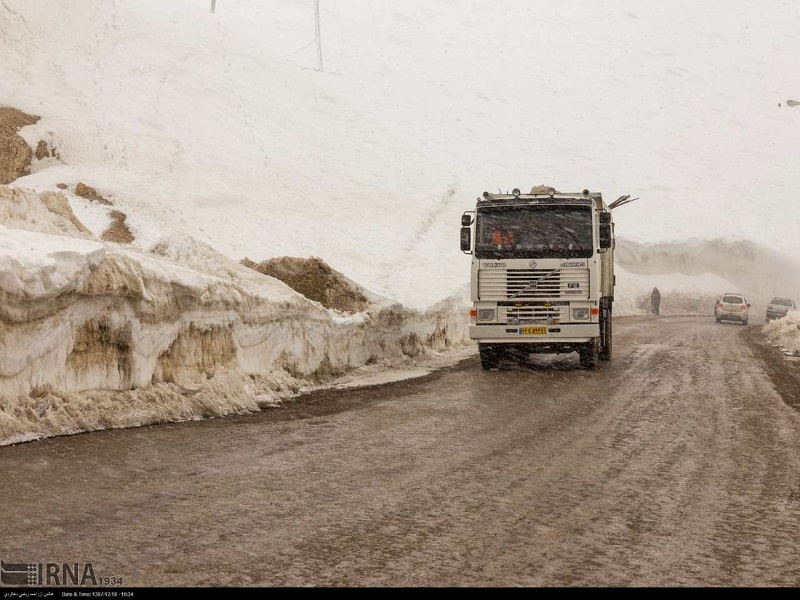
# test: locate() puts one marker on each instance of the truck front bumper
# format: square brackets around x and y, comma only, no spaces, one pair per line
[514,334]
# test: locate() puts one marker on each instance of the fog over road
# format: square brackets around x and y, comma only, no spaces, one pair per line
[677,463]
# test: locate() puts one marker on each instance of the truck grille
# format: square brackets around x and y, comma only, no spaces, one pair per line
[566,284]
[523,315]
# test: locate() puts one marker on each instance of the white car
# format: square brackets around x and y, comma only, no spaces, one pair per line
[732,307]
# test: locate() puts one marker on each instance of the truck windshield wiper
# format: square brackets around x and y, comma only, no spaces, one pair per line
[532,284]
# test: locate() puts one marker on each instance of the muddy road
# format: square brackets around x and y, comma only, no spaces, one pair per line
[676,464]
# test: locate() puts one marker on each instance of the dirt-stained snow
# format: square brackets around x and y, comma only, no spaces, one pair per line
[98,335]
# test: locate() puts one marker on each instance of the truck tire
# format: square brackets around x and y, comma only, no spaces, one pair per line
[490,356]
[605,333]
[588,355]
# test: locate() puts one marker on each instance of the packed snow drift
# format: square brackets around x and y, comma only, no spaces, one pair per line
[96,335]
[785,332]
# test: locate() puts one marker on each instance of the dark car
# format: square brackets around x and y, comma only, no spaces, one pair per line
[778,307]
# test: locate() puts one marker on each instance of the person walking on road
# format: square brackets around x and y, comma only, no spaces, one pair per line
[655,301]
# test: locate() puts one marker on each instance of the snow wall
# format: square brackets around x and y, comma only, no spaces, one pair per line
[94,335]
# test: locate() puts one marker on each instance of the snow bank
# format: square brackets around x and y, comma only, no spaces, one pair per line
[97,335]
[49,212]
[785,332]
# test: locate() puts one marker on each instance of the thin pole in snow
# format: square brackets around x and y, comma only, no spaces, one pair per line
[213,5]
[319,35]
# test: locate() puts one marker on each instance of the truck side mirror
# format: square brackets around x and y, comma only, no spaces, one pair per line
[605,230]
[466,242]
[466,220]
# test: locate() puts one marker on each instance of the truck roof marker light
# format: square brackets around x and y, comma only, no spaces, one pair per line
[486,195]
[516,192]
[551,191]
[586,193]
[595,310]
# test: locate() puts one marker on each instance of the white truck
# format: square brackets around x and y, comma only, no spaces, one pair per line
[542,274]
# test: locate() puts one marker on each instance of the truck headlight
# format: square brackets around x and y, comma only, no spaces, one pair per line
[580,314]
[485,314]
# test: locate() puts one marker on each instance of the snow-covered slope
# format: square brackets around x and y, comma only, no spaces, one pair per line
[220,126]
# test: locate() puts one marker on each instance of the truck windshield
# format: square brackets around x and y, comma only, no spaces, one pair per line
[534,232]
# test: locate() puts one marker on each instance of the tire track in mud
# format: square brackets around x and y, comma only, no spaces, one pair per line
[649,494]
[653,490]
[688,503]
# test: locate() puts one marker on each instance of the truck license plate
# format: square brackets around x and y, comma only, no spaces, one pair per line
[534,330]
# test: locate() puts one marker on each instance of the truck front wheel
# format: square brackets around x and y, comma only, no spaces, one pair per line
[490,356]
[588,355]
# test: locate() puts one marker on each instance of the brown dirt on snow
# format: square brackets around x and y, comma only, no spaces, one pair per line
[42,150]
[118,231]
[196,349]
[313,278]
[90,194]
[15,154]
